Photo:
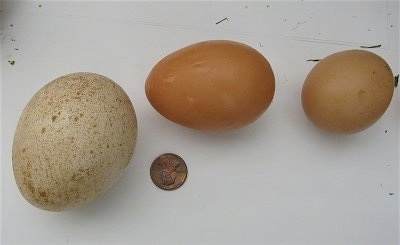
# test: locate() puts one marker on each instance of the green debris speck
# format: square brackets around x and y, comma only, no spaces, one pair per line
[12,62]
[396,80]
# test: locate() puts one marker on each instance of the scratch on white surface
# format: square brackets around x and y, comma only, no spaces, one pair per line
[373,46]
[224,19]
[212,29]
[387,23]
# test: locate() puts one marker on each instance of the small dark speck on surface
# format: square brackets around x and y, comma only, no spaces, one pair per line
[385,131]
[16,48]
[261,45]
[40,5]
[13,40]
[314,60]
[396,80]
[12,62]
[11,25]
[391,193]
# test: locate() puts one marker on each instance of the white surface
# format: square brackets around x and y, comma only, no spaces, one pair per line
[276,181]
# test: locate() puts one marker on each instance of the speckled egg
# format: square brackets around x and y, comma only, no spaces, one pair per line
[73,140]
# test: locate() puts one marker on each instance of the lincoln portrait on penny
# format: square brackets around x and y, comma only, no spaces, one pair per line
[168,174]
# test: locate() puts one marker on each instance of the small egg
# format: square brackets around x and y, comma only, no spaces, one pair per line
[348,91]
[214,85]
[73,140]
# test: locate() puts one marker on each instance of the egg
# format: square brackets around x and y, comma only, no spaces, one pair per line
[73,140]
[214,85]
[348,91]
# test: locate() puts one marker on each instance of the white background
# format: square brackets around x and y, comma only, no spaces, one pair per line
[277,181]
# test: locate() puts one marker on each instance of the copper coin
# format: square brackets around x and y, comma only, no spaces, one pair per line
[168,171]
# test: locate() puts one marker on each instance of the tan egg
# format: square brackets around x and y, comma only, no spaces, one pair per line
[348,91]
[73,140]
[212,85]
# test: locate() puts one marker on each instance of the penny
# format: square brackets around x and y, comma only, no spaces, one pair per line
[168,171]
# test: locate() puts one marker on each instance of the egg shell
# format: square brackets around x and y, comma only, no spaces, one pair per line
[73,140]
[348,91]
[212,85]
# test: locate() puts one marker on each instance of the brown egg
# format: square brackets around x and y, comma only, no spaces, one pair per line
[348,91]
[212,85]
